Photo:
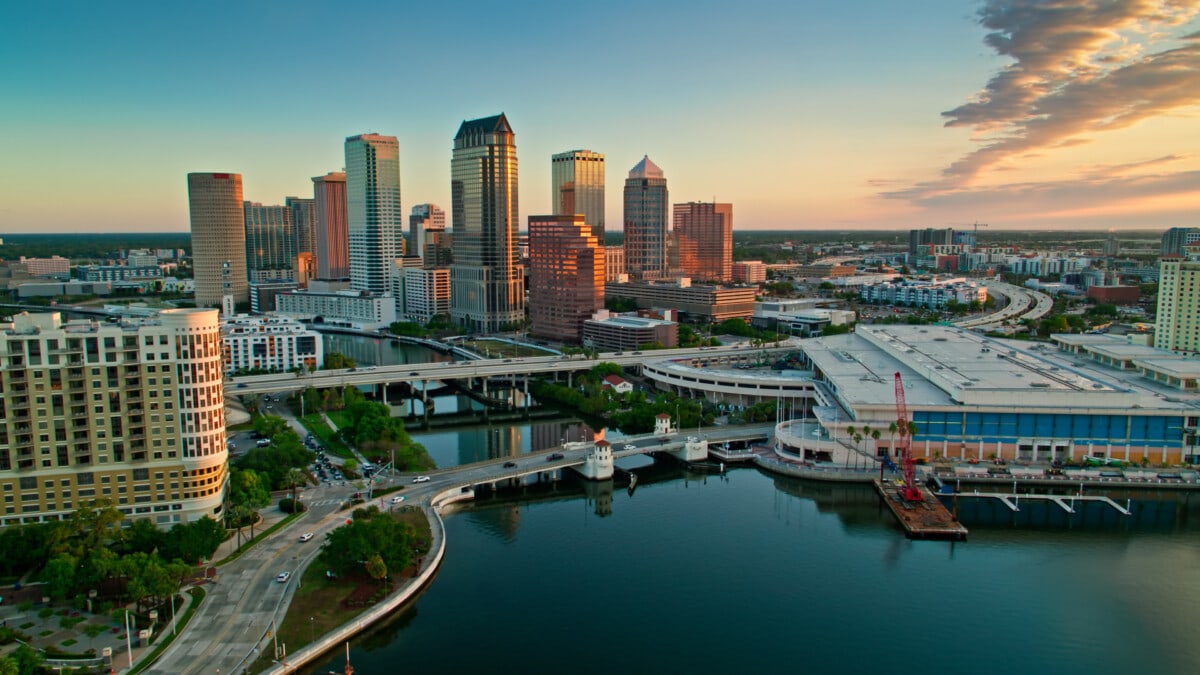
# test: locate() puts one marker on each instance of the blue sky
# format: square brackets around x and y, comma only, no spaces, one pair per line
[803,115]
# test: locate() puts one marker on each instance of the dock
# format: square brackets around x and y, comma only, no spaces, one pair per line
[1067,502]
[926,519]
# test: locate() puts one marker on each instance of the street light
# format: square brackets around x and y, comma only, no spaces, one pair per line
[312,631]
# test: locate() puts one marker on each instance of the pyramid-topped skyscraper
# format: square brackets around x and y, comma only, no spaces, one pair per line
[646,218]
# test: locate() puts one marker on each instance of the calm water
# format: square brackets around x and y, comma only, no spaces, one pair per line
[753,573]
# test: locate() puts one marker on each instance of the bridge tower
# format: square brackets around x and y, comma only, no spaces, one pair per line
[598,464]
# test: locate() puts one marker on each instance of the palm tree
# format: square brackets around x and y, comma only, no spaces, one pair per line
[293,479]
[850,430]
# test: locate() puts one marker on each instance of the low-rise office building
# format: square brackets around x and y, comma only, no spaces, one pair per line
[350,309]
[698,303]
[270,343]
[620,332]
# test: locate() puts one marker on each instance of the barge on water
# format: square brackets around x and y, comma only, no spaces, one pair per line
[924,519]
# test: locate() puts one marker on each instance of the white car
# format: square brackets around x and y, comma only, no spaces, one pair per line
[396,500]
[421,479]
[630,446]
[306,536]
[282,577]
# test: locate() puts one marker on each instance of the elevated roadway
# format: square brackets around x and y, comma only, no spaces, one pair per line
[1023,303]
[470,369]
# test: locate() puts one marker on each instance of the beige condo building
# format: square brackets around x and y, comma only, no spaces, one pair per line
[132,413]
[1177,322]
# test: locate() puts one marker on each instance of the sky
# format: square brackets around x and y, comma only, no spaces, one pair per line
[1053,115]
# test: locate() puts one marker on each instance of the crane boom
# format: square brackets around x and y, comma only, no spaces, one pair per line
[911,492]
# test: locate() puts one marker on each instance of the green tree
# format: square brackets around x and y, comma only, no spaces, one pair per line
[248,492]
[25,660]
[376,568]
[192,542]
[294,478]
[337,361]
[407,329]
[142,536]
[59,576]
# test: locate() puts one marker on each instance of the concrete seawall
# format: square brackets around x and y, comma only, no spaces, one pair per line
[336,637]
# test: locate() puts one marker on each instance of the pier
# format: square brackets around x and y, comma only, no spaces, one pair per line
[926,519]
[1067,502]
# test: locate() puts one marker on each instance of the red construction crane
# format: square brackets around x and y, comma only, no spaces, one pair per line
[911,492]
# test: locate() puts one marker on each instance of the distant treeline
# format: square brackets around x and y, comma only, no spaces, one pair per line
[88,246]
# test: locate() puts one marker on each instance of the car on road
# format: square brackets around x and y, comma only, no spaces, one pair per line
[421,479]
[630,446]
[306,536]
[263,442]
[396,500]
[509,465]
[554,456]
[282,577]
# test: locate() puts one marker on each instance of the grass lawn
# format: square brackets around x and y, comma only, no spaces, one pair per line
[333,444]
[497,349]
[317,606]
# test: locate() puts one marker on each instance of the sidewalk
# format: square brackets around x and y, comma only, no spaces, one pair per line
[268,516]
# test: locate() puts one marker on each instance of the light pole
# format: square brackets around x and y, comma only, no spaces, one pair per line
[312,631]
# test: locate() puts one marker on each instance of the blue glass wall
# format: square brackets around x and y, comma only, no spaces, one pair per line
[993,427]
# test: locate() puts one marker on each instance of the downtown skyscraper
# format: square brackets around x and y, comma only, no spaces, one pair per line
[332,238]
[218,238]
[375,223]
[270,242]
[646,210]
[566,276]
[486,279]
[577,186]
[703,234]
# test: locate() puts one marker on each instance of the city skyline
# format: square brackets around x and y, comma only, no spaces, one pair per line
[870,116]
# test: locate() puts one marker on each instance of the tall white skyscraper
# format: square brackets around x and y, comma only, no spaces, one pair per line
[373,205]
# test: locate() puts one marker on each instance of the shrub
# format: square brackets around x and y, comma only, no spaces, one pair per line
[288,506]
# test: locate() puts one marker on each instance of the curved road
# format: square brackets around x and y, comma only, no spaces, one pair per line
[226,631]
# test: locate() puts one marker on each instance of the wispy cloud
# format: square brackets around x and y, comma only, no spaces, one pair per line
[1080,68]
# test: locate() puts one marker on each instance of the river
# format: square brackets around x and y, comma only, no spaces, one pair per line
[749,572]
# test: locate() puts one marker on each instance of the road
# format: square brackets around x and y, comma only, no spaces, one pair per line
[241,607]
[451,370]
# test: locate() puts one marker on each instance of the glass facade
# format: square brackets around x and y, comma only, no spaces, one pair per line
[375,223]
[646,216]
[995,427]
[577,186]
[487,280]
[270,240]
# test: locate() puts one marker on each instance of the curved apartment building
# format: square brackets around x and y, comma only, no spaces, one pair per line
[133,413]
